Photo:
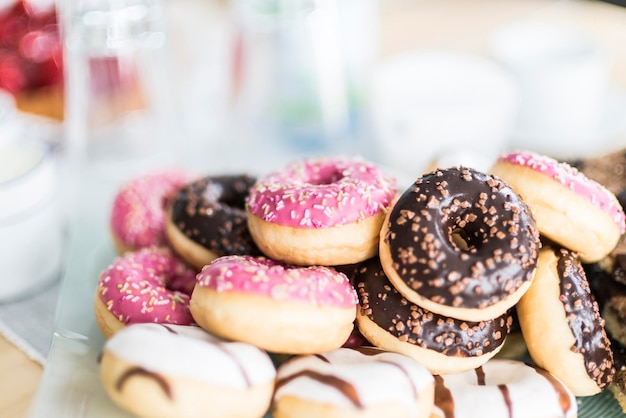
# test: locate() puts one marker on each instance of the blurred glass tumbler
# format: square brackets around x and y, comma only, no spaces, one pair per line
[564,80]
[301,68]
[117,96]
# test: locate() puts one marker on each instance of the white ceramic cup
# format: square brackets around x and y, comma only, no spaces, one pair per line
[426,104]
[563,78]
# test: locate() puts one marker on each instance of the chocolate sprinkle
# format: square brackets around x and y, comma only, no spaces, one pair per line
[462,238]
[385,306]
[211,212]
[583,317]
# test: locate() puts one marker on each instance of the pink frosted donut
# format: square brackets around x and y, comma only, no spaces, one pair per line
[571,209]
[138,213]
[149,285]
[326,211]
[277,307]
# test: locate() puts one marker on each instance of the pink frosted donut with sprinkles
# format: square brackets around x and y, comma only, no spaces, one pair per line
[138,214]
[325,211]
[278,307]
[150,285]
[572,210]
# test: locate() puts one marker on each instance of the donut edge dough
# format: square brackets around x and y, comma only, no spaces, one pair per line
[562,215]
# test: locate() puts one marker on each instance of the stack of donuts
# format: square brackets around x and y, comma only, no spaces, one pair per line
[323,290]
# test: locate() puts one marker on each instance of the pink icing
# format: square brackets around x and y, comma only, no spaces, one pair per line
[321,193]
[149,285]
[574,180]
[138,214]
[261,276]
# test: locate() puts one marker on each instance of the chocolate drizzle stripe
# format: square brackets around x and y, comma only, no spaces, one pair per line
[343,387]
[321,357]
[244,374]
[506,397]
[443,398]
[480,376]
[169,329]
[369,351]
[140,371]
[564,399]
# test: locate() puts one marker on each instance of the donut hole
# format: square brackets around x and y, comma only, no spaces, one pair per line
[325,176]
[466,239]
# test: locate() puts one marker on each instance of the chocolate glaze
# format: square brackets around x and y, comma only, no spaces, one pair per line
[140,371]
[583,316]
[501,239]
[386,307]
[345,388]
[211,212]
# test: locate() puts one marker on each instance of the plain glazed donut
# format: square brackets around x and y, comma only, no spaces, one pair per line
[441,344]
[571,210]
[320,211]
[158,371]
[460,243]
[353,383]
[207,219]
[149,285]
[280,308]
[503,388]
[562,326]
[137,217]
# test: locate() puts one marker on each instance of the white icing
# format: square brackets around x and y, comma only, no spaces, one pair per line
[531,395]
[191,352]
[374,379]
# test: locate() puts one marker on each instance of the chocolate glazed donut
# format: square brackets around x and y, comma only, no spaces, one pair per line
[441,344]
[562,326]
[460,243]
[584,319]
[207,219]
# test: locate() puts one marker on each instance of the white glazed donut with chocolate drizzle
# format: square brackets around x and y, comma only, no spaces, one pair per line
[503,388]
[155,370]
[562,325]
[353,382]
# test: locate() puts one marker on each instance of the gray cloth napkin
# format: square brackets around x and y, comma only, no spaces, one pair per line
[29,322]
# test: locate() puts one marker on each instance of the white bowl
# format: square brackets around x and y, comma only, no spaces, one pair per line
[430,103]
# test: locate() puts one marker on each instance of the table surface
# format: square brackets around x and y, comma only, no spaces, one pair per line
[406,25]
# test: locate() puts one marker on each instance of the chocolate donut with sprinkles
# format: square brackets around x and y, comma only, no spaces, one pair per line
[148,285]
[359,382]
[156,370]
[460,243]
[562,326]
[325,211]
[443,345]
[207,219]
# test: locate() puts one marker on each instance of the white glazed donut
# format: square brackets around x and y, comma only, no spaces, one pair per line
[353,382]
[157,370]
[503,388]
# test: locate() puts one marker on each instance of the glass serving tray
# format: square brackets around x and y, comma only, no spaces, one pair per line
[70,385]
